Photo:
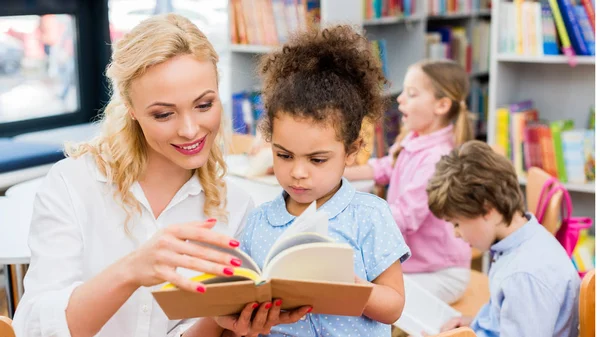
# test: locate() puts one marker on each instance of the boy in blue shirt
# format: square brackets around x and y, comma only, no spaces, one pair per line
[534,286]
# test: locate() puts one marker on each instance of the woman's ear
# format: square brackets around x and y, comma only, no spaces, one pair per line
[442,106]
[353,151]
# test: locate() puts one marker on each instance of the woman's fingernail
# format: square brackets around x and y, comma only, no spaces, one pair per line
[269,305]
[255,305]
[278,303]
[211,220]
[310,309]
[228,271]
[236,262]
[201,289]
[234,243]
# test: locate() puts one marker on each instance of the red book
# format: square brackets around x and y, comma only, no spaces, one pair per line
[589,9]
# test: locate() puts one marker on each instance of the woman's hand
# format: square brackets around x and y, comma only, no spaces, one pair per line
[268,315]
[156,261]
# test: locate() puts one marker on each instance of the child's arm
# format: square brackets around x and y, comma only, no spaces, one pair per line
[411,207]
[204,327]
[361,172]
[387,298]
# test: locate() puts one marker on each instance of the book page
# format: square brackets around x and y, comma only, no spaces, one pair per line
[291,241]
[423,312]
[322,261]
[247,261]
[310,221]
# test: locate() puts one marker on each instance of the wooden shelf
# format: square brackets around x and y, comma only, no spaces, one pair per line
[547,59]
[584,188]
[252,49]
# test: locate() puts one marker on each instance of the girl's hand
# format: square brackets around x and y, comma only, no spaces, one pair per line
[268,315]
[156,261]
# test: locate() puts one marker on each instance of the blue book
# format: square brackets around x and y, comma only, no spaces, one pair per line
[572,26]
[549,31]
[586,29]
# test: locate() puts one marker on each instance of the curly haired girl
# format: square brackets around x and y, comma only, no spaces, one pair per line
[317,91]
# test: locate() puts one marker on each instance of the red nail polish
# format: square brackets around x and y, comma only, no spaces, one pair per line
[211,220]
[269,305]
[236,262]
[234,243]
[228,271]
[309,309]
[201,289]
[278,303]
[255,305]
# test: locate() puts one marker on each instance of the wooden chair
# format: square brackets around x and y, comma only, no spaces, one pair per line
[476,295]
[459,332]
[587,305]
[6,329]
[536,177]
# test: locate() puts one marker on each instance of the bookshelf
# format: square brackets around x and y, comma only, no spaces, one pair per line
[558,90]
[405,38]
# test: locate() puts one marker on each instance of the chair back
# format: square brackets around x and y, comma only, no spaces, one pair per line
[6,329]
[536,178]
[587,305]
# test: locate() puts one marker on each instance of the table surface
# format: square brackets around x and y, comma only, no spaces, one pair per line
[17,206]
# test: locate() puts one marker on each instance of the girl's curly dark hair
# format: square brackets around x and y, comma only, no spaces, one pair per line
[329,75]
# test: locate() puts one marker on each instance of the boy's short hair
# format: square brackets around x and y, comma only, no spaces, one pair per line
[472,180]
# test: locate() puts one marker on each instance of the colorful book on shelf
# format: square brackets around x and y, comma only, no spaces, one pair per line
[503,130]
[289,273]
[589,10]
[586,29]
[550,44]
[589,154]
[573,156]
[565,41]
[520,114]
[557,128]
[549,163]
[572,26]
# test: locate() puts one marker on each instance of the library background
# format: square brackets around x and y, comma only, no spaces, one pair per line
[531,66]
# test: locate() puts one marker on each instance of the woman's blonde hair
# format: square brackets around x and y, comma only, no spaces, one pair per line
[121,151]
[450,80]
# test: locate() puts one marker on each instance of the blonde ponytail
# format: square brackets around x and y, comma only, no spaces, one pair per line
[463,128]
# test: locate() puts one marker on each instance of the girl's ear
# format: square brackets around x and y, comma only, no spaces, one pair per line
[442,106]
[353,151]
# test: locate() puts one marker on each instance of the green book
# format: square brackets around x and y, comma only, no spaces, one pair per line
[557,128]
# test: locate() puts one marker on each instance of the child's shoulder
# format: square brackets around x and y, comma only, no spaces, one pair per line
[365,204]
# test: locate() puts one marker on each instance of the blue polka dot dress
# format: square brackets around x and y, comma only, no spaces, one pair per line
[362,220]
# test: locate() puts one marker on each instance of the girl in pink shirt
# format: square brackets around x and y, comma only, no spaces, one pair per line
[435,119]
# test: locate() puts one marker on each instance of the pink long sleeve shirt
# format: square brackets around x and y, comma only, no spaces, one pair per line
[432,241]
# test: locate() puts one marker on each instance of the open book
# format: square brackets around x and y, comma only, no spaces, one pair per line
[303,267]
[423,312]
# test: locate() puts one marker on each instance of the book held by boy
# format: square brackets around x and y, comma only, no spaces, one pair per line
[304,267]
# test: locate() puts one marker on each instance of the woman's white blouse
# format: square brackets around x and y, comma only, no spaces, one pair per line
[77,231]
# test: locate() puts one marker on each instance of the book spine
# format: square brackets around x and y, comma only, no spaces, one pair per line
[573,29]
[586,30]
[549,31]
[562,32]
[573,155]
[589,9]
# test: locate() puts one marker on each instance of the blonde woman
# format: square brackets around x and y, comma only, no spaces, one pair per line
[115,218]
